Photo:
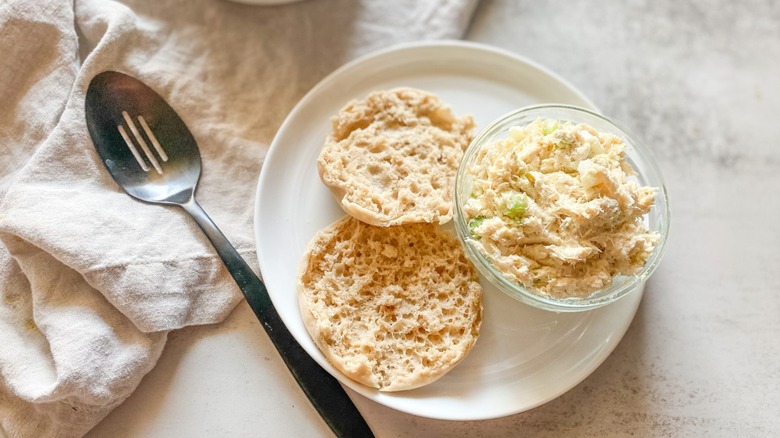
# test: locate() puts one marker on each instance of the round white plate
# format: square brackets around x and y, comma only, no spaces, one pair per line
[524,356]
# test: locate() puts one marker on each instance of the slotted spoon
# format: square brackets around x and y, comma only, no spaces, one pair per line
[151,154]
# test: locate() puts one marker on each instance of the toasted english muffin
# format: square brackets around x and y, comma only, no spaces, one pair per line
[391,158]
[392,308]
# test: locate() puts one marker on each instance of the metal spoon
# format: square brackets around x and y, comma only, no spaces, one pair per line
[151,154]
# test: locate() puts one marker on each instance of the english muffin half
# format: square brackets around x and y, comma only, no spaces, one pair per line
[392,308]
[391,158]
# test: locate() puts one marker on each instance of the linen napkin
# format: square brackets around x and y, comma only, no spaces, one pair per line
[91,281]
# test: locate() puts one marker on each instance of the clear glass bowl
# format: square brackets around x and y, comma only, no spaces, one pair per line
[637,154]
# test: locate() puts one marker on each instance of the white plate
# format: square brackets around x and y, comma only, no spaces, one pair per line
[524,356]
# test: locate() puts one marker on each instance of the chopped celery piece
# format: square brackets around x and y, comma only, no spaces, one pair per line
[549,126]
[475,222]
[516,205]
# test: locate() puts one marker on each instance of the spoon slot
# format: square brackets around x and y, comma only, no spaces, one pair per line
[132,148]
[153,139]
[142,143]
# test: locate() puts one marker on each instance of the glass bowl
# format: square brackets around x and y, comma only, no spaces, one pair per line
[637,154]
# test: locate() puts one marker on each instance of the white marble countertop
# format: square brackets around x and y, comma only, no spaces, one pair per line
[700,82]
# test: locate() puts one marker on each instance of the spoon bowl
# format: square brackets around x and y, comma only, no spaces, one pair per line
[117,100]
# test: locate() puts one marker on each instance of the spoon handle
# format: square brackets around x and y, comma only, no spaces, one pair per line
[322,389]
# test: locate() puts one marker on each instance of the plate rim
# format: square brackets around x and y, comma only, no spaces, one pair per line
[324,84]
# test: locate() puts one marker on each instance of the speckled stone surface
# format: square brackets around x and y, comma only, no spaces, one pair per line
[700,82]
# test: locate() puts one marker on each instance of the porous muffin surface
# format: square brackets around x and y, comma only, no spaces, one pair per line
[392,308]
[391,158]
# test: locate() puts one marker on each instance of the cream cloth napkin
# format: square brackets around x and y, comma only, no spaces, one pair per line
[91,280]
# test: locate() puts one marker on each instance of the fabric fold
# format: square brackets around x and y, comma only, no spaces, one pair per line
[91,280]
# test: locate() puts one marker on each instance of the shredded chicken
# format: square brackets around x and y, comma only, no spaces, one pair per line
[556,208]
